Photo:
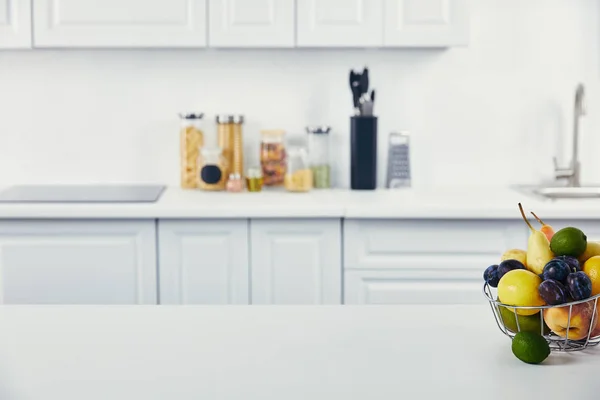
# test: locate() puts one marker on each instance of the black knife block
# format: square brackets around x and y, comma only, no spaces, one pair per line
[363,153]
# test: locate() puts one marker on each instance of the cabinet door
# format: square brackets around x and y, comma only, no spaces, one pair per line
[296,261]
[340,23]
[77,262]
[410,287]
[203,261]
[426,23]
[119,23]
[251,23]
[15,24]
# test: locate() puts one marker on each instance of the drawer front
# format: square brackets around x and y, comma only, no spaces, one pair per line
[430,244]
[399,287]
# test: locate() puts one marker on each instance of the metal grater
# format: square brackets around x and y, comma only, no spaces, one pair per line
[398,171]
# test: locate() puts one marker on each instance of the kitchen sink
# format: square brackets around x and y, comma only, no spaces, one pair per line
[564,192]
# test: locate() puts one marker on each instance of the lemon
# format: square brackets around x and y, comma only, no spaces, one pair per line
[519,287]
[568,242]
[530,347]
[592,269]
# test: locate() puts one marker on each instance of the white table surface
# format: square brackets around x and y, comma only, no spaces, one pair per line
[275,352]
[436,203]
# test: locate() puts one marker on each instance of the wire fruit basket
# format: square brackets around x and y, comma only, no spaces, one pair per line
[566,327]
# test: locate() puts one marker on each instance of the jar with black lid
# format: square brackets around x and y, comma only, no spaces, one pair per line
[213,169]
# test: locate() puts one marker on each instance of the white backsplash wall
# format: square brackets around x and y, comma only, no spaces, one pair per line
[491,113]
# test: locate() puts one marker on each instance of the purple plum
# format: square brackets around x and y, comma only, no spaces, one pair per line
[490,275]
[557,270]
[553,292]
[508,265]
[579,285]
[572,261]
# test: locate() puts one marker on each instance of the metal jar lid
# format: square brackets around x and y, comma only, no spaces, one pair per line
[230,119]
[191,115]
[324,129]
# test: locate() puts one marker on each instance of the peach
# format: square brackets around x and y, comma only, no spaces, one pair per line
[582,320]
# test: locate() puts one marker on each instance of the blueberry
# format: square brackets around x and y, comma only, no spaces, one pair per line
[553,292]
[508,265]
[572,261]
[557,270]
[490,275]
[579,285]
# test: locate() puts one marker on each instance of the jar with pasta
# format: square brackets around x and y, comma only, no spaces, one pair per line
[191,139]
[299,176]
[213,169]
[273,157]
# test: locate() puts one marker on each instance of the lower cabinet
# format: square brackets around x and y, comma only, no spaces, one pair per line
[423,261]
[203,261]
[296,261]
[291,261]
[78,262]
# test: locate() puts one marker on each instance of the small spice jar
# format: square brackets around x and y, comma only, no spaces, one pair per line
[254,179]
[235,183]
[212,169]
[299,177]
[319,155]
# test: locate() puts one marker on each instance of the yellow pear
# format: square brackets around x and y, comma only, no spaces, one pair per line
[538,248]
[592,249]
[515,254]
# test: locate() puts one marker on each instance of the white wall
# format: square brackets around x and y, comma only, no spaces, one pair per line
[491,113]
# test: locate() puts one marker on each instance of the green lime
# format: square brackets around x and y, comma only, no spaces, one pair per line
[530,348]
[568,242]
[527,323]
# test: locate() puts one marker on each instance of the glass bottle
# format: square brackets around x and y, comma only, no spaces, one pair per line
[229,130]
[212,169]
[273,157]
[298,177]
[254,179]
[191,139]
[235,183]
[319,155]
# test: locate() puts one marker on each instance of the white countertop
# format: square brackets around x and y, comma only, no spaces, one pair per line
[275,353]
[456,202]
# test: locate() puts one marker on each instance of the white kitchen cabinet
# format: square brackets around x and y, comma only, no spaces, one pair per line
[423,261]
[77,262]
[15,24]
[119,23]
[456,286]
[251,23]
[429,244]
[426,23]
[296,261]
[339,23]
[203,261]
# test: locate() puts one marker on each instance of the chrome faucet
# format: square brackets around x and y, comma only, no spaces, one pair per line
[572,174]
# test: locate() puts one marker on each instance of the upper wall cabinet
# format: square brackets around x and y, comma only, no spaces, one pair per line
[252,23]
[426,23]
[340,23]
[15,24]
[119,23]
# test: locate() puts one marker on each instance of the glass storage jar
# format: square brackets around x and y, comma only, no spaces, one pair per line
[191,139]
[212,169]
[273,157]
[319,155]
[229,129]
[298,177]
